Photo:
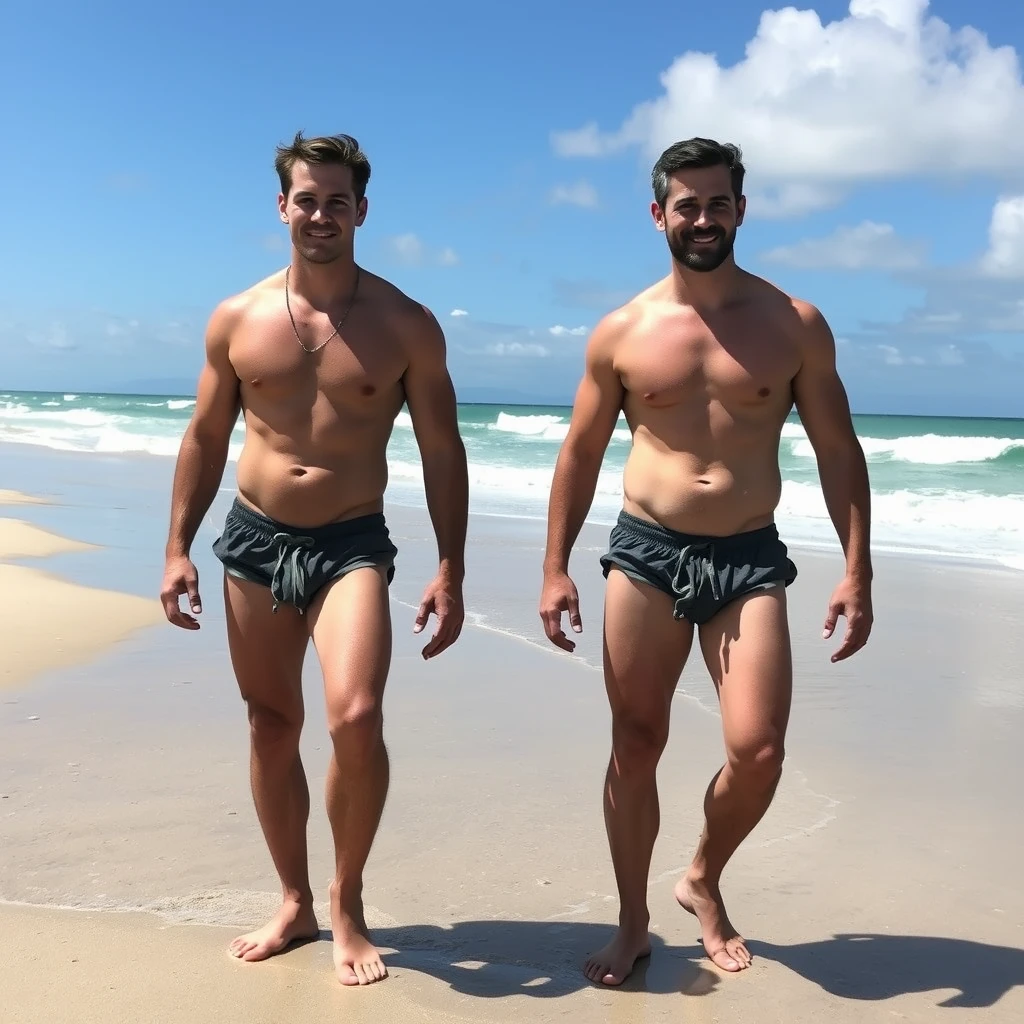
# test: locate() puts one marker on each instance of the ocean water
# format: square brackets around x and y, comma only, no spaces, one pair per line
[945,486]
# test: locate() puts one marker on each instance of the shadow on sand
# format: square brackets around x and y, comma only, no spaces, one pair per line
[543,959]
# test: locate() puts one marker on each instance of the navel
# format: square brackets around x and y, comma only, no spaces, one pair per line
[255,382]
[765,392]
[367,390]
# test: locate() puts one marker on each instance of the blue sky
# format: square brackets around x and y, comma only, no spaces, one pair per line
[511,151]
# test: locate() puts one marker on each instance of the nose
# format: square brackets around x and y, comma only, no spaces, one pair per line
[704,220]
[318,215]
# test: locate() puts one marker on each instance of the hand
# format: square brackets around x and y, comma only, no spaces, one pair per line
[851,598]
[559,595]
[443,597]
[180,577]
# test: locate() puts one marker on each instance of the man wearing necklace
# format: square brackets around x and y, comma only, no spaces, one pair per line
[319,358]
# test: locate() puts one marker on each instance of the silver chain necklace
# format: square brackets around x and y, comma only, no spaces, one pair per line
[340,323]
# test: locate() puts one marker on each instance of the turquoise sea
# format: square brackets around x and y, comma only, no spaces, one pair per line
[940,485]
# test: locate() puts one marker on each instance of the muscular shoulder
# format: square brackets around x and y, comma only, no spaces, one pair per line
[615,327]
[801,321]
[411,323]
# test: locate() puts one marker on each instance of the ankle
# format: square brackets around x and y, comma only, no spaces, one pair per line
[300,897]
[635,922]
[347,891]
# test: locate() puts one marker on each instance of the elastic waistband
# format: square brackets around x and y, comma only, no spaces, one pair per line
[373,521]
[656,532]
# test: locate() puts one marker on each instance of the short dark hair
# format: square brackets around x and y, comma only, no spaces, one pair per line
[697,152]
[342,150]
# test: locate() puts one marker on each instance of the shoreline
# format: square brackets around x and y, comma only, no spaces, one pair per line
[133,852]
[81,622]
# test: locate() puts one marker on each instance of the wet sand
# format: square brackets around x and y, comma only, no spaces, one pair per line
[879,886]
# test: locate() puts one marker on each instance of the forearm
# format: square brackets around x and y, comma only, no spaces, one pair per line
[572,494]
[197,475]
[847,492]
[446,483]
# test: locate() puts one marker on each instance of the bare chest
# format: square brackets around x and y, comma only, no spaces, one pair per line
[356,367]
[741,364]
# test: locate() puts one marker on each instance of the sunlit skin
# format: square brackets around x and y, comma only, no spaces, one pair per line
[319,403]
[706,364]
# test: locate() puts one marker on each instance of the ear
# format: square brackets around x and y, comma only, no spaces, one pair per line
[741,209]
[361,209]
[658,214]
[282,207]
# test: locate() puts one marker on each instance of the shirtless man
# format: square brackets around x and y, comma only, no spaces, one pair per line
[319,358]
[706,364]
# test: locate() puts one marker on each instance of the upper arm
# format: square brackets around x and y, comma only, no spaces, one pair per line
[818,392]
[218,391]
[429,391]
[600,392]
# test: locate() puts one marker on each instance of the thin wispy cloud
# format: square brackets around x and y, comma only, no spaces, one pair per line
[580,193]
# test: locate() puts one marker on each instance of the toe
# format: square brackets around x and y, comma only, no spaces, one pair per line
[347,976]
[722,959]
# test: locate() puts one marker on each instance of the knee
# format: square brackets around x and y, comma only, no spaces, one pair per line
[758,761]
[273,731]
[356,727]
[638,743]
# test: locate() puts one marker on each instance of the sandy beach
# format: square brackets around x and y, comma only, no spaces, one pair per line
[879,886]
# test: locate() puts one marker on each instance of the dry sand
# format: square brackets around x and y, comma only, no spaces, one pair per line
[879,887]
[49,622]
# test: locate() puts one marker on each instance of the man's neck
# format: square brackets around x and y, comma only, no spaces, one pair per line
[710,290]
[322,285]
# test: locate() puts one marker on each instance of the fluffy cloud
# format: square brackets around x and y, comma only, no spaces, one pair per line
[582,193]
[561,332]
[886,92]
[1005,256]
[410,250]
[868,246]
[458,312]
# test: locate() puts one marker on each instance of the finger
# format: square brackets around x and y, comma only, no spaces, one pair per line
[438,637]
[449,626]
[855,639]
[575,621]
[423,613]
[831,618]
[192,588]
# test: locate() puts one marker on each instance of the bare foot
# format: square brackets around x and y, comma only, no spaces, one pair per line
[356,961]
[722,943]
[293,921]
[613,964]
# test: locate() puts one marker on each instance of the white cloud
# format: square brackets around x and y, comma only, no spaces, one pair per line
[562,332]
[868,246]
[581,193]
[1005,256]
[410,250]
[885,92]
[894,357]
[516,348]
[458,312]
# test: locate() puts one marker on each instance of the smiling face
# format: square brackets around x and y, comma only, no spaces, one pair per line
[700,217]
[322,211]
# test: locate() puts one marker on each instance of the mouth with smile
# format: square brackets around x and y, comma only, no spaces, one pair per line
[322,233]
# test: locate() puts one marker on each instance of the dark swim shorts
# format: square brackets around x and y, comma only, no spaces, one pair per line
[295,562]
[702,574]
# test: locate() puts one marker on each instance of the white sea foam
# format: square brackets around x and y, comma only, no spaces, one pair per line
[928,449]
[512,460]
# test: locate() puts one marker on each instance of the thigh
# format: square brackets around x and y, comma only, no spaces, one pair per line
[747,650]
[645,649]
[267,648]
[350,623]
